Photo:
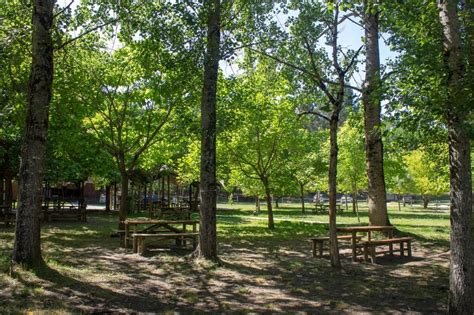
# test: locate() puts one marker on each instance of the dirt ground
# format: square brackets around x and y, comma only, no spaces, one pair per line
[91,273]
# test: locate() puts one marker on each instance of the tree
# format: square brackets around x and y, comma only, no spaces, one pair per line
[459,92]
[351,157]
[322,73]
[27,248]
[265,117]
[371,97]
[130,106]
[306,161]
[434,82]
[428,177]
[208,184]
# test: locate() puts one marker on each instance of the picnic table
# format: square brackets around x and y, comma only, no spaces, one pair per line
[177,229]
[367,229]
[324,208]
[63,212]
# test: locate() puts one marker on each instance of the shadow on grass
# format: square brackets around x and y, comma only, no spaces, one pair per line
[86,297]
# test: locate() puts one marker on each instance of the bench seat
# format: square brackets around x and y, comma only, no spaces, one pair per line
[369,247]
[317,243]
[139,239]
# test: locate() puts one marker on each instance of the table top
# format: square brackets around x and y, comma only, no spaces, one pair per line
[365,228]
[161,221]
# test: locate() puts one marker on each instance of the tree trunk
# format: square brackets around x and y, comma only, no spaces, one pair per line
[333,246]
[123,211]
[277,204]
[399,206]
[27,244]
[107,198]
[268,195]
[145,198]
[302,197]
[460,275]
[426,200]
[115,196]
[207,232]
[257,204]
[373,140]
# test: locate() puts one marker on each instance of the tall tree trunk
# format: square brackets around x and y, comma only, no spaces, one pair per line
[208,235]
[377,202]
[302,197]
[27,244]
[107,198]
[124,204]
[460,276]
[333,246]
[268,194]
[277,203]
[399,206]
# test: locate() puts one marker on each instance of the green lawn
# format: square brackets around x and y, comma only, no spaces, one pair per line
[431,226]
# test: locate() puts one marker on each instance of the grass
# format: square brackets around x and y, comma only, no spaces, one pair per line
[262,270]
[428,225]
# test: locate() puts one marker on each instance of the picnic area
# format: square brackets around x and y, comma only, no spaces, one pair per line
[234,156]
[261,270]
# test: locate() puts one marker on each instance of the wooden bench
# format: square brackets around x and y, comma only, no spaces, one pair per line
[139,239]
[317,243]
[369,247]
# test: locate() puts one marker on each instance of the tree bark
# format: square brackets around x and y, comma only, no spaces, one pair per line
[268,195]
[207,233]
[333,246]
[107,198]
[302,197]
[426,200]
[460,275]
[123,210]
[257,204]
[377,202]
[27,244]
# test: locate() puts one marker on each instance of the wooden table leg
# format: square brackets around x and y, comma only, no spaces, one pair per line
[354,248]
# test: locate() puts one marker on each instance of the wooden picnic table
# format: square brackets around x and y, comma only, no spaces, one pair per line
[366,229]
[156,226]
[324,208]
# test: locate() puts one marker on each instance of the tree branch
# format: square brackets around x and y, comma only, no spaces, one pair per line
[84,34]
[310,112]
[63,10]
